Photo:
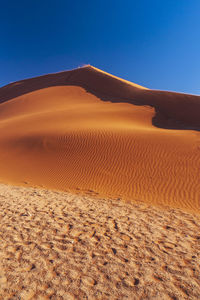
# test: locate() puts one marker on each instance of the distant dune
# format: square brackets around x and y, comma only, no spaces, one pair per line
[90,132]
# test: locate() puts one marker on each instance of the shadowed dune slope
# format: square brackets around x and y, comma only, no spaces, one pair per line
[88,131]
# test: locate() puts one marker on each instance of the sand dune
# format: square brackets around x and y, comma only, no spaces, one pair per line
[88,131]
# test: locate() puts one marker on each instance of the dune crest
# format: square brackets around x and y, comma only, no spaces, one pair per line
[88,131]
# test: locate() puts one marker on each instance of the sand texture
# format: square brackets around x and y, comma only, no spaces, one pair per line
[56,245]
[86,130]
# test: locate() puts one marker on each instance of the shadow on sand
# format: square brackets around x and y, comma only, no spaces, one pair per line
[172,110]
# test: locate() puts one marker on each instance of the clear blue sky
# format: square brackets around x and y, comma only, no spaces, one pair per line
[155,43]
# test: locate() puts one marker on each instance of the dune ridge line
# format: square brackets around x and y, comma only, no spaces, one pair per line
[86,130]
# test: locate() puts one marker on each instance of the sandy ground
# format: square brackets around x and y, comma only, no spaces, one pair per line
[88,130]
[56,245]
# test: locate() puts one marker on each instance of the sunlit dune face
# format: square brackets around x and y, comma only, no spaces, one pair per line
[122,80]
[65,137]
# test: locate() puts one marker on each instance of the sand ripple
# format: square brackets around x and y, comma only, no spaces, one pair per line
[57,245]
[66,138]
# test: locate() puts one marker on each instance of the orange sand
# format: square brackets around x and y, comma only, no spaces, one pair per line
[85,130]
[60,246]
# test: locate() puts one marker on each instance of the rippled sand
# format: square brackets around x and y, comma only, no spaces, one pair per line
[56,245]
[88,130]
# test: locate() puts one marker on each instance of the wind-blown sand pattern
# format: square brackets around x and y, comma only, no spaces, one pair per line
[56,245]
[88,130]
[100,140]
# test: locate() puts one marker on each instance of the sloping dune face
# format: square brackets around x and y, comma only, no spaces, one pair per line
[87,131]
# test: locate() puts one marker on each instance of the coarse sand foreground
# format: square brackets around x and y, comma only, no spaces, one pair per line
[56,245]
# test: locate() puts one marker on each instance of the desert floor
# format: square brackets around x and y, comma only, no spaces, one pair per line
[56,245]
